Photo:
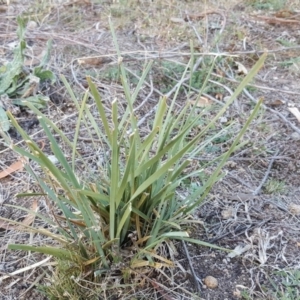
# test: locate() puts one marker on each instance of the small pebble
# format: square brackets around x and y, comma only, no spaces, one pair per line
[53,159]
[211,282]
[223,120]
[31,25]
[295,136]
[227,213]
[294,209]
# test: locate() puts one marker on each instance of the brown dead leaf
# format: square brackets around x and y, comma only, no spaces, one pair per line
[202,102]
[16,166]
[284,14]
[295,111]
[276,103]
[91,61]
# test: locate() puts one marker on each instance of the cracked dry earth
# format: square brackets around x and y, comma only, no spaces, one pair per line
[264,224]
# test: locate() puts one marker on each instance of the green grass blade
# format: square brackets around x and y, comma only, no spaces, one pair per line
[80,117]
[164,150]
[56,252]
[125,217]
[198,242]
[101,109]
[87,112]
[100,197]
[69,89]
[166,166]
[143,151]
[141,82]
[114,172]
[129,170]
[60,155]
[259,64]
[50,123]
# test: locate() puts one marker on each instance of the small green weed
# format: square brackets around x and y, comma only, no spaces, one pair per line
[19,84]
[286,43]
[293,64]
[289,288]
[274,186]
[268,4]
[245,295]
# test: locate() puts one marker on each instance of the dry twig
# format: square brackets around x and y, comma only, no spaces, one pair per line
[195,278]
[257,190]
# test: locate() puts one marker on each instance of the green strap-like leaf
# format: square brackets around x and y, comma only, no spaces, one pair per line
[4,121]
[56,252]
[100,107]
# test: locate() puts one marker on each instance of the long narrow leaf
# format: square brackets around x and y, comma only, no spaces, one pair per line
[129,170]
[258,65]
[57,252]
[80,117]
[125,217]
[100,107]
[114,173]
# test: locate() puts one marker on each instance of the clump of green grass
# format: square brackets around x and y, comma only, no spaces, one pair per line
[268,4]
[274,186]
[115,225]
[289,286]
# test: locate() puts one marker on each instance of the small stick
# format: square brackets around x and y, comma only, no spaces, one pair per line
[196,279]
[256,192]
[148,96]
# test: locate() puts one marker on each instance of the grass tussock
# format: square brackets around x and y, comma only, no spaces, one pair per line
[116,225]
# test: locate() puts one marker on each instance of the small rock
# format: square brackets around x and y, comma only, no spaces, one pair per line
[227,213]
[53,159]
[31,25]
[295,136]
[237,293]
[294,209]
[211,282]
[177,20]
[231,164]
[223,120]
